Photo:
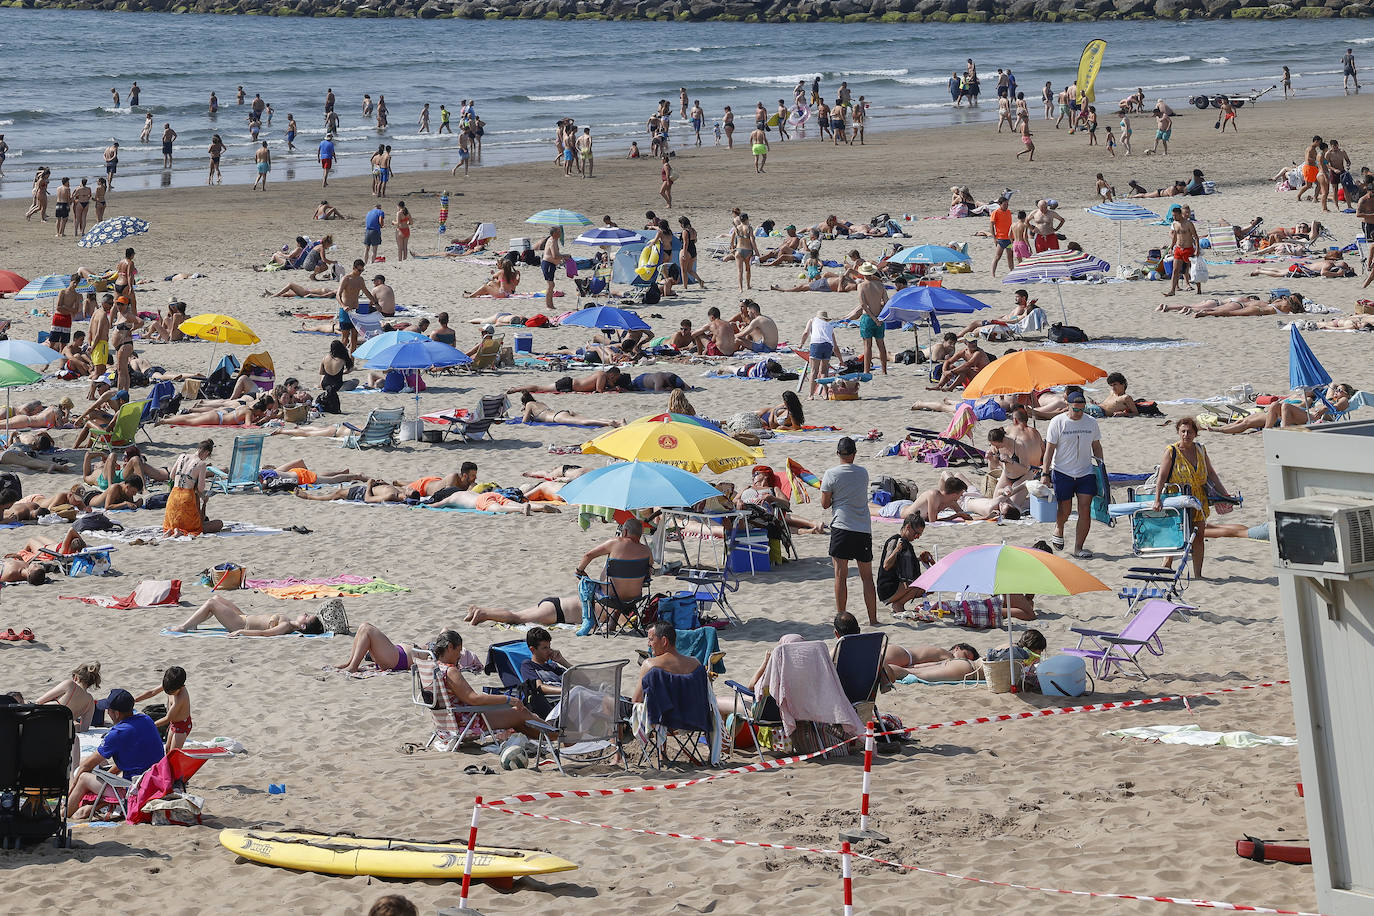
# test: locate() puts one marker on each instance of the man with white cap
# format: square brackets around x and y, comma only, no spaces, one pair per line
[872,298]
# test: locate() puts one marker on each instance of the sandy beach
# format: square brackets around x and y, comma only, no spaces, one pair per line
[1049,802]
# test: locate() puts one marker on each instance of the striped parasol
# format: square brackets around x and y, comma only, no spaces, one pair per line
[563,219]
[1122,211]
[49,286]
[1055,265]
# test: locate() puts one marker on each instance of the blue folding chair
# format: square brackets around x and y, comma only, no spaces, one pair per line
[244,465]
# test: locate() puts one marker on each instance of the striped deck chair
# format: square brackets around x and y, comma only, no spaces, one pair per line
[1222,244]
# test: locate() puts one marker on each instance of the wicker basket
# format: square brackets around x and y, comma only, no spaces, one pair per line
[1001,675]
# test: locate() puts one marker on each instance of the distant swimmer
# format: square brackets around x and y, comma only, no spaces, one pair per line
[114,97]
[214,103]
[168,138]
[1347,68]
[290,132]
[133,94]
[241,95]
[147,128]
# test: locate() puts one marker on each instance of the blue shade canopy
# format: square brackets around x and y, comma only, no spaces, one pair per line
[929,254]
[1122,211]
[417,354]
[1304,369]
[382,341]
[27,353]
[606,317]
[917,301]
[609,237]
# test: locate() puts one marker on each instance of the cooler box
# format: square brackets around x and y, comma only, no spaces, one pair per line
[519,244]
[524,343]
[749,555]
[1062,676]
[1043,510]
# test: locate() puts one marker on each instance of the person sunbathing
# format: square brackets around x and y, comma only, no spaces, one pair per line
[289,255]
[328,211]
[1328,265]
[240,624]
[833,225]
[34,415]
[564,474]
[122,495]
[763,491]
[499,319]
[1177,189]
[23,453]
[111,471]
[788,415]
[602,380]
[1238,307]
[1118,403]
[503,711]
[68,544]
[538,412]
[17,570]
[957,370]
[548,611]
[373,491]
[505,279]
[930,663]
[300,291]
[64,503]
[1293,412]
[784,254]
[825,283]
[327,431]
[371,643]
[77,358]
[1347,323]
[296,473]
[245,415]
[1302,233]
[490,501]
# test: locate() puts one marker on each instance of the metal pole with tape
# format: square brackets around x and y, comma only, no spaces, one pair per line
[847,879]
[863,833]
[467,864]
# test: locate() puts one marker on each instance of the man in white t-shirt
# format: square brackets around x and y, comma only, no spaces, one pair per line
[1072,441]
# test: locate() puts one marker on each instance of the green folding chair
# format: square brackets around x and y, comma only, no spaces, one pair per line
[122,430]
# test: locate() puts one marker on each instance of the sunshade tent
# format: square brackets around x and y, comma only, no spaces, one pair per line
[1122,211]
[638,485]
[1054,266]
[606,317]
[1030,370]
[114,229]
[684,445]
[48,286]
[999,569]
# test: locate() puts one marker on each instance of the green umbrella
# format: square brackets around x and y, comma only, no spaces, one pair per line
[12,375]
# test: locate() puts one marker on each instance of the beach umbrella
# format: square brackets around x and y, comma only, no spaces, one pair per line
[563,219]
[382,341]
[48,286]
[606,317]
[11,282]
[415,355]
[915,302]
[679,418]
[1122,211]
[609,237]
[220,329]
[1304,369]
[1030,370]
[929,254]
[638,485]
[1055,265]
[114,229]
[998,569]
[13,375]
[27,353]
[683,445]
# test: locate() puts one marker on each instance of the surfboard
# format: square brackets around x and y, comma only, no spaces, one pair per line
[772,120]
[385,858]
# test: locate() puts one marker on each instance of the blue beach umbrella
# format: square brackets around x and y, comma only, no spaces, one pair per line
[416,355]
[915,302]
[929,254]
[563,219]
[638,485]
[27,353]
[609,237]
[606,317]
[1122,211]
[47,287]
[1304,369]
[115,229]
[386,339]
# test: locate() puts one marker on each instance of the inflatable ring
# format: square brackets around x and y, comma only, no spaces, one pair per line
[648,262]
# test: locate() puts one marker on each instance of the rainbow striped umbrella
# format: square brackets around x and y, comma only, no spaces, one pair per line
[1055,265]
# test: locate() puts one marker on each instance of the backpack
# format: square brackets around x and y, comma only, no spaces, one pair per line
[1147,408]
[652,295]
[1066,333]
[10,481]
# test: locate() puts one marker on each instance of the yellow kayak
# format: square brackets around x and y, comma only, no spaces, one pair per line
[385,858]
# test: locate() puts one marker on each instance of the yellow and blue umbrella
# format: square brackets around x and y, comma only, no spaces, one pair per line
[684,445]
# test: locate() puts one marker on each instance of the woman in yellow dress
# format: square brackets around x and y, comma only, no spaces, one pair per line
[1185,463]
[185,513]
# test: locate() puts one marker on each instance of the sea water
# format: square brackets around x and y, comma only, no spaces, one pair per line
[56,109]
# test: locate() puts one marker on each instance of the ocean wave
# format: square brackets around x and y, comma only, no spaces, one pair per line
[578,97]
[688,50]
[1360,41]
[779,80]
[923,106]
[924,81]
[116,110]
[1171,60]
[1216,60]
[6,121]
[902,72]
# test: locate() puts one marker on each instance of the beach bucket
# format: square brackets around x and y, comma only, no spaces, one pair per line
[524,343]
[1001,675]
[1042,510]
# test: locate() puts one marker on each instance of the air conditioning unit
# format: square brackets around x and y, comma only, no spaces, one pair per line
[1325,534]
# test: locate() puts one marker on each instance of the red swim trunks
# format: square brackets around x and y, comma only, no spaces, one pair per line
[1183,254]
[180,728]
[326,164]
[1046,242]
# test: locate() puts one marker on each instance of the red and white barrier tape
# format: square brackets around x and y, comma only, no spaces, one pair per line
[1151,898]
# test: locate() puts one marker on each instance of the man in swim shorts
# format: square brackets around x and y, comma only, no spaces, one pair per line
[1184,242]
[111,162]
[1310,170]
[351,286]
[872,298]
[1045,222]
[168,136]
[1164,129]
[263,157]
[758,138]
[325,156]
[372,233]
[1001,233]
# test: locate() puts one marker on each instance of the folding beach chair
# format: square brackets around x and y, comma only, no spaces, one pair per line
[612,614]
[701,643]
[35,763]
[590,715]
[162,401]
[244,465]
[858,661]
[504,660]
[1160,534]
[123,428]
[823,706]
[491,409]
[1221,243]
[487,355]
[680,717]
[1113,654]
[452,724]
[381,429]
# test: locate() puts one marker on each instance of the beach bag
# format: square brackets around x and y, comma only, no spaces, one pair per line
[1147,408]
[333,618]
[10,481]
[95,521]
[1199,270]
[90,563]
[225,577]
[652,295]
[1066,333]
[679,610]
[175,810]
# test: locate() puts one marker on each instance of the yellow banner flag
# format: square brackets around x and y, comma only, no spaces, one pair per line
[1088,65]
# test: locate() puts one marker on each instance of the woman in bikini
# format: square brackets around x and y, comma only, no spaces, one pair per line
[788,415]
[931,663]
[1328,265]
[298,291]
[1238,307]
[687,256]
[1293,411]
[370,642]
[240,624]
[75,694]
[539,412]
[502,285]
[763,491]
[243,415]
[81,204]
[742,241]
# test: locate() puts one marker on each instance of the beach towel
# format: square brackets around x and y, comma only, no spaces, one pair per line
[700,644]
[801,679]
[150,593]
[292,580]
[206,632]
[966,682]
[153,534]
[1194,735]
